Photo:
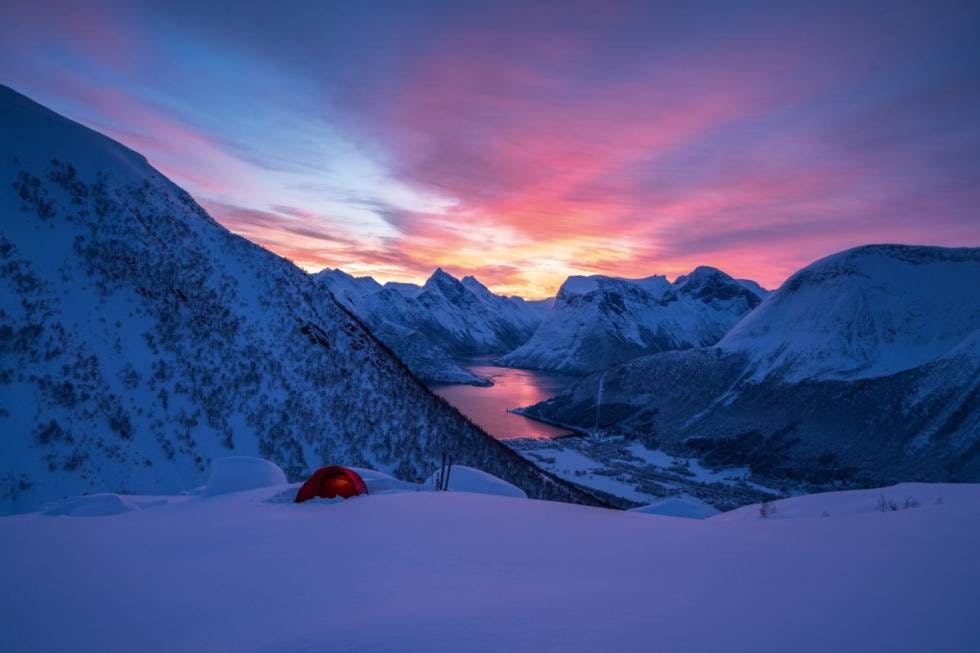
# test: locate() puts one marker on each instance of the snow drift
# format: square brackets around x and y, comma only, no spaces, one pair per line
[92,505]
[467,479]
[237,473]
[686,507]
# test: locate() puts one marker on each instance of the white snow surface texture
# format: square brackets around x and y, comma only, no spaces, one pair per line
[467,479]
[455,571]
[686,507]
[237,473]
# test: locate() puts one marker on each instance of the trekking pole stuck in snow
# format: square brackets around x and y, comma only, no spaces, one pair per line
[445,482]
[442,472]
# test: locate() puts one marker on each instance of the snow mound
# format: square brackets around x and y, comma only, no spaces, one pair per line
[381,483]
[237,473]
[686,507]
[467,479]
[578,285]
[93,505]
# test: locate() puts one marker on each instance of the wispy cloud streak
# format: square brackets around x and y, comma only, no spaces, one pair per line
[525,144]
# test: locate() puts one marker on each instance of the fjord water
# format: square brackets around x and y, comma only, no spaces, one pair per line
[512,388]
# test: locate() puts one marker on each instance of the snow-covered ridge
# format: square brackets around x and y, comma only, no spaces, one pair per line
[139,339]
[598,321]
[428,325]
[862,367]
[592,323]
[865,312]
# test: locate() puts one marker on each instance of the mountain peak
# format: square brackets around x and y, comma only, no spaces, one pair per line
[869,260]
[440,276]
[333,273]
[865,312]
[38,134]
[578,285]
[710,284]
[447,285]
[701,274]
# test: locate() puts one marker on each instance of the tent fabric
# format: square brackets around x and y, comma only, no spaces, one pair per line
[330,482]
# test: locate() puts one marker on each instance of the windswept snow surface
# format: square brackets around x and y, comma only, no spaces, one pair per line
[92,505]
[467,479]
[237,473]
[448,571]
[381,483]
[686,507]
[904,496]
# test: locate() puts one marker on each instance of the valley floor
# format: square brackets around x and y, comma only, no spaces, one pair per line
[634,475]
[452,571]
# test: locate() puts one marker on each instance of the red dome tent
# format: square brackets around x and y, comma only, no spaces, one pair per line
[330,482]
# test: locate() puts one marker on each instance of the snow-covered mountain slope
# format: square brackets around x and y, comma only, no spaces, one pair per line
[806,395]
[425,358]
[139,339]
[452,571]
[525,316]
[599,321]
[407,289]
[754,287]
[466,318]
[347,289]
[868,311]
[446,317]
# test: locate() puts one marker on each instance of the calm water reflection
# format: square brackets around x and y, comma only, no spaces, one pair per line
[511,388]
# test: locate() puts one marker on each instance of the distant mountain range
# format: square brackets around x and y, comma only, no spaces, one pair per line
[863,367]
[599,321]
[139,339]
[593,323]
[429,325]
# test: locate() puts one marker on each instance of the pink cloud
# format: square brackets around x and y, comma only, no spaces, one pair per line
[593,139]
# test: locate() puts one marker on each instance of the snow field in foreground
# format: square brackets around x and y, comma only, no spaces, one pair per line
[452,571]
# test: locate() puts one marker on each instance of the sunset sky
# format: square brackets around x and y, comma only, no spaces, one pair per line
[523,142]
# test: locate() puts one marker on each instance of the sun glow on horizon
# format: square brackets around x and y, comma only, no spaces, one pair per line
[522,145]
